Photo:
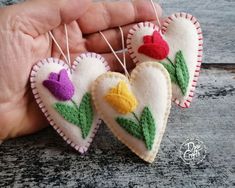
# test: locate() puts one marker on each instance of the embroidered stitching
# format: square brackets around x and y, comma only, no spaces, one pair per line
[60,86]
[187,102]
[121,99]
[68,112]
[131,127]
[85,114]
[170,67]
[144,129]
[81,116]
[154,46]
[148,126]
[178,72]
[124,102]
[35,68]
[182,72]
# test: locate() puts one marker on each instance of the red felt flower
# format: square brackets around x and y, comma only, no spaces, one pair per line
[154,46]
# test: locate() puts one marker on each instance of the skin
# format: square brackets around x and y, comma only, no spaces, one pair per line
[24,40]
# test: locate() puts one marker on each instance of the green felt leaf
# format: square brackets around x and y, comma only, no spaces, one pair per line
[69,113]
[182,72]
[171,70]
[81,116]
[85,114]
[131,127]
[148,127]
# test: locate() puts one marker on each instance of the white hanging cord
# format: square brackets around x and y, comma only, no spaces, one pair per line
[123,64]
[67,44]
[67,59]
[123,47]
[156,14]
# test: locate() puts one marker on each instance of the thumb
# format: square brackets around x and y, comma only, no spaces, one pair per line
[36,17]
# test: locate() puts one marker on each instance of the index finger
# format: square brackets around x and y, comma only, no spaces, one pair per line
[104,15]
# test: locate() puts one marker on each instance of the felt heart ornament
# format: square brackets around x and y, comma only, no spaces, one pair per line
[64,96]
[136,109]
[178,46]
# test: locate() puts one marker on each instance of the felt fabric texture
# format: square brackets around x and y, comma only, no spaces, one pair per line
[121,99]
[154,46]
[85,114]
[150,84]
[86,68]
[143,129]
[182,32]
[124,102]
[178,71]
[131,127]
[68,112]
[171,69]
[81,116]
[182,74]
[148,125]
[60,85]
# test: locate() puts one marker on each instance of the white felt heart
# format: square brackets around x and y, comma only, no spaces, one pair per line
[64,96]
[183,34]
[135,110]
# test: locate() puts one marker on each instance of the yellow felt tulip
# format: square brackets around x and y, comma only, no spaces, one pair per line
[121,98]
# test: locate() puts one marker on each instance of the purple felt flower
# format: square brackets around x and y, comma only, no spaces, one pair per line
[60,85]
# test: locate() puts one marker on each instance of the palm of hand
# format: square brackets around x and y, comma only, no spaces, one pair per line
[21,52]
[22,45]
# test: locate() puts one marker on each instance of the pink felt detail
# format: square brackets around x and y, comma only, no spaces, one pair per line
[154,46]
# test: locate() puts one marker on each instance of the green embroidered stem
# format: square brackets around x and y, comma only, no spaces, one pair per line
[148,127]
[75,104]
[133,113]
[171,70]
[68,112]
[182,72]
[81,116]
[145,128]
[178,71]
[170,61]
[85,114]
[131,127]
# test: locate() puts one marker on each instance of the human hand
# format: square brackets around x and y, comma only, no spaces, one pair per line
[24,40]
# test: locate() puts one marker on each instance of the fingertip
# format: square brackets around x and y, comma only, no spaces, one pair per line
[40,16]
[73,9]
[144,10]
